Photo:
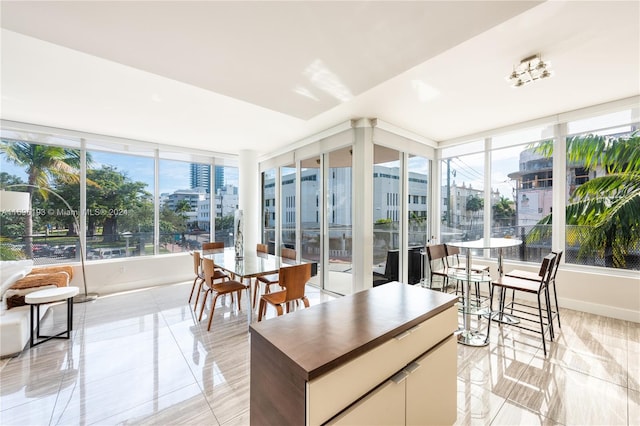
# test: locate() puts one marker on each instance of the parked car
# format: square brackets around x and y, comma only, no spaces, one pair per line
[106,253]
[70,252]
[57,251]
[41,250]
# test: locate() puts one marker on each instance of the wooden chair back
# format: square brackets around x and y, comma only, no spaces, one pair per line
[557,263]
[546,268]
[196,262]
[208,268]
[215,245]
[437,252]
[294,279]
[452,252]
[288,253]
[262,248]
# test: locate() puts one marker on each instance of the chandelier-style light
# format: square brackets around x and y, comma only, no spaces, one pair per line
[529,70]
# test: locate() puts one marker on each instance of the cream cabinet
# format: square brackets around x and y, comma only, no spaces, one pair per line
[381,356]
[422,393]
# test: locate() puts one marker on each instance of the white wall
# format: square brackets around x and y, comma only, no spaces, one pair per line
[579,288]
[588,289]
[115,275]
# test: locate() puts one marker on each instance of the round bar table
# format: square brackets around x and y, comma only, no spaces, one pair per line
[467,336]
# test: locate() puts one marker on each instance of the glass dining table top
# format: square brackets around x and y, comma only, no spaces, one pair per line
[253,264]
[487,243]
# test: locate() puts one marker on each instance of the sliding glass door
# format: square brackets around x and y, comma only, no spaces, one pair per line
[339,221]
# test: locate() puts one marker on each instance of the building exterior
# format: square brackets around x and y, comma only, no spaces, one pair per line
[200,176]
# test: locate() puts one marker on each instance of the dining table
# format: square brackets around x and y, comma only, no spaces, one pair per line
[466,336]
[252,264]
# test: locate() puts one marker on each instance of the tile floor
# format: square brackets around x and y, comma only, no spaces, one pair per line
[143,358]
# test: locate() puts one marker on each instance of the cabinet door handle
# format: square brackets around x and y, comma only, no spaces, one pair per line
[415,328]
[399,377]
[412,367]
[402,335]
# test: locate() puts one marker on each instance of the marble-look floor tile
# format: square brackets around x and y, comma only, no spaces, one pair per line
[240,420]
[143,357]
[495,368]
[185,406]
[512,414]
[477,405]
[34,412]
[634,407]
[569,397]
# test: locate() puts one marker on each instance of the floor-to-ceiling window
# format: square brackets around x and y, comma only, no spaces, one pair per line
[120,191]
[225,201]
[310,210]
[387,208]
[463,193]
[269,209]
[184,196]
[288,206]
[603,191]
[339,220]
[42,166]
[418,214]
[522,192]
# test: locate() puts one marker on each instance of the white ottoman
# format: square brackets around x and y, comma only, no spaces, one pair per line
[50,295]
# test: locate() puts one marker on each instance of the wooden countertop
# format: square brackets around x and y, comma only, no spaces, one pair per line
[325,336]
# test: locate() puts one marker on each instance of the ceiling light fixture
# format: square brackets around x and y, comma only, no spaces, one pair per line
[529,70]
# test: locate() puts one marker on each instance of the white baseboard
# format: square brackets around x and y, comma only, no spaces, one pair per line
[598,309]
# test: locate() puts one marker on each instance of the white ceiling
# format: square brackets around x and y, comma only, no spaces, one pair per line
[227,76]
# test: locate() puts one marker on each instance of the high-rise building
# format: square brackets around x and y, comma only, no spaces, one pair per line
[219,178]
[201,176]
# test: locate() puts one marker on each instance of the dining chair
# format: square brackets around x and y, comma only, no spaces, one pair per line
[294,280]
[271,279]
[197,270]
[528,275]
[521,309]
[213,245]
[218,274]
[217,289]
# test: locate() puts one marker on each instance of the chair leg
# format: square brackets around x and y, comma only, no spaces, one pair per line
[255,292]
[195,305]
[305,301]
[204,303]
[503,294]
[213,308]
[552,333]
[261,309]
[555,296]
[193,287]
[544,343]
[490,311]
[513,299]
[279,309]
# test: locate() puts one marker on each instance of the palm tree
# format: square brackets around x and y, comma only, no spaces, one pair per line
[607,205]
[503,212]
[43,163]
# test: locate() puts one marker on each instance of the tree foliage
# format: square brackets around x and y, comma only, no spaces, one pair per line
[608,205]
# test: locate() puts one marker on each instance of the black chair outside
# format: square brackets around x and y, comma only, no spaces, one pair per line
[525,311]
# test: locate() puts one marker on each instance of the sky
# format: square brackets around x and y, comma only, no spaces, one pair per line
[174,175]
